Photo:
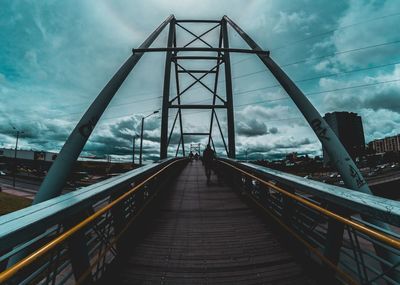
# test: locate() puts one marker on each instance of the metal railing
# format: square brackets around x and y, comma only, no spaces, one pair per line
[74,238]
[330,222]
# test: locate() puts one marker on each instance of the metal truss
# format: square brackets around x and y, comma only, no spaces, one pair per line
[177,56]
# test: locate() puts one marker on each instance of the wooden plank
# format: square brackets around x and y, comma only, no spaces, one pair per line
[206,234]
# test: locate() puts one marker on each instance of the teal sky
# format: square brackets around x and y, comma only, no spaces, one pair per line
[55,57]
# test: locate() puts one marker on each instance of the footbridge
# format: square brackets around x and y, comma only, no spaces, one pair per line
[162,223]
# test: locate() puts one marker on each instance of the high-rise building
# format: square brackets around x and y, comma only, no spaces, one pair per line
[386,144]
[349,129]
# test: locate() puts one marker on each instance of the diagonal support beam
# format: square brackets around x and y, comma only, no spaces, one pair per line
[166,93]
[350,173]
[199,37]
[193,34]
[172,129]
[202,83]
[229,95]
[220,131]
[61,168]
[193,83]
[219,58]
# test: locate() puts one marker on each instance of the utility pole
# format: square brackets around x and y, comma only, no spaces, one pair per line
[15,154]
[133,150]
[141,136]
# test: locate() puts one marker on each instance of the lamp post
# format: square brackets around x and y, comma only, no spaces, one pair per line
[15,154]
[141,136]
[133,148]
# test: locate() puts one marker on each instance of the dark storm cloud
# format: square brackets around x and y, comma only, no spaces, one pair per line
[375,99]
[273,130]
[252,127]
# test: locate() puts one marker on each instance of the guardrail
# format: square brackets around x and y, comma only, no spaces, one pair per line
[330,222]
[75,237]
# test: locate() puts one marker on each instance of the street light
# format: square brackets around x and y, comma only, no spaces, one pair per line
[133,148]
[15,154]
[141,136]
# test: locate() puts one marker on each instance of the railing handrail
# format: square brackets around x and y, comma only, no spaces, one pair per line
[36,218]
[9,272]
[373,206]
[381,236]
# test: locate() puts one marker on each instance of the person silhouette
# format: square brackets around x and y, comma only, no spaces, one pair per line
[208,160]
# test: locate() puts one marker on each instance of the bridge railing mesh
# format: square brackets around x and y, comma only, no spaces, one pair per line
[334,226]
[74,238]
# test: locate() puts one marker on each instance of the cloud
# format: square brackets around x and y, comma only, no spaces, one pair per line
[374,18]
[251,128]
[376,97]
[294,20]
[59,55]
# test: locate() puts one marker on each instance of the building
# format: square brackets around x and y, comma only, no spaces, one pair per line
[349,129]
[386,144]
[29,154]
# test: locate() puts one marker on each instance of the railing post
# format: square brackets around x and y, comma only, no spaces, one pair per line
[117,214]
[79,252]
[288,206]
[334,238]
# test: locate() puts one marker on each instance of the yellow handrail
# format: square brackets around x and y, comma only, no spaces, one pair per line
[358,226]
[10,272]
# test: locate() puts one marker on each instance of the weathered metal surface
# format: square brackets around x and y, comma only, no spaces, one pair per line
[207,235]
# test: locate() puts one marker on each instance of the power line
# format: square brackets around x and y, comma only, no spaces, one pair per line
[260,71]
[342,52]
[324,33]
[324,91]
[276,85]
[320,57]
[320,77]
[336,29]
[282,98]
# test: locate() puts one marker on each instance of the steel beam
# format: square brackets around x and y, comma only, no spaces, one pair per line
[229,96]
[178,92]
[197,106]
[198,57]
[196,134]
[196,71]
[62,166]
[220,131]
[167,81]
[198,21]
[200,49]
[351,175]
[172,128]
[196,36]
[219,58]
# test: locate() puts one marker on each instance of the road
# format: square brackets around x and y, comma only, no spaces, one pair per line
[22,183]
[25,184]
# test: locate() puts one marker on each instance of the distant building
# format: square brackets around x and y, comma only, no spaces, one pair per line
[349,129]
[386,144]
[29,154]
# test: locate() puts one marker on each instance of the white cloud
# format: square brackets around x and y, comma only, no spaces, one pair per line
[295,20]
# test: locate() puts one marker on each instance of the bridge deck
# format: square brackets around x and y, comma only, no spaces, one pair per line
[206,234]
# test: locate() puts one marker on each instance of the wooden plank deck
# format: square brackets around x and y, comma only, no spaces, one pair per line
[207,235]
